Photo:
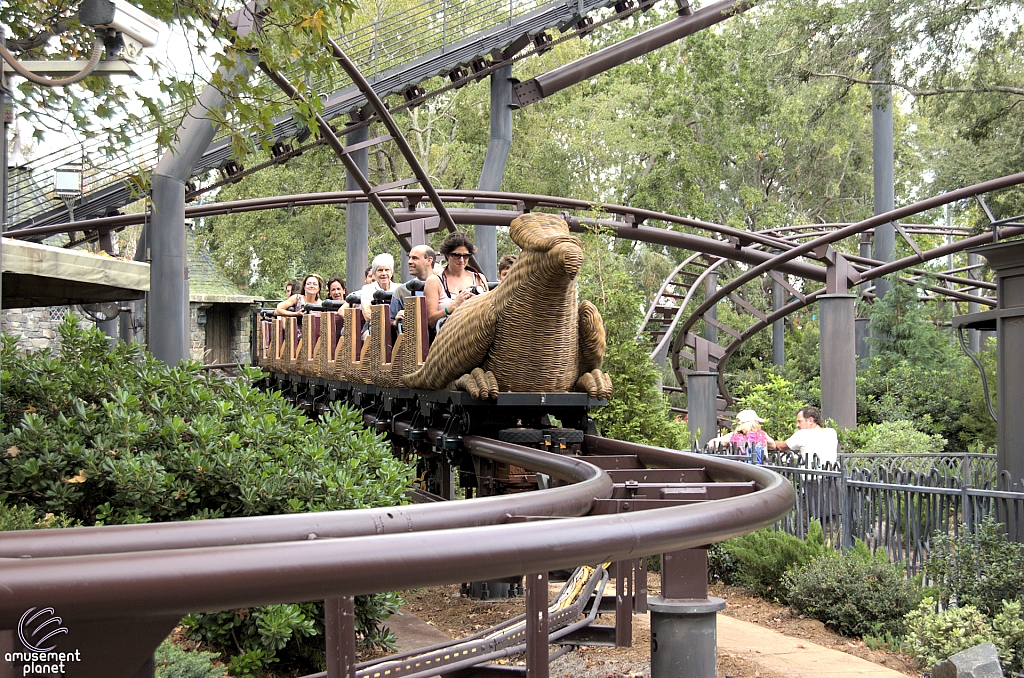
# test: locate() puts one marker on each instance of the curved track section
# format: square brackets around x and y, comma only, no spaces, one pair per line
[122,588]
[858,272]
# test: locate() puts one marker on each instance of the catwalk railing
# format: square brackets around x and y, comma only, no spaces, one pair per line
[896,502]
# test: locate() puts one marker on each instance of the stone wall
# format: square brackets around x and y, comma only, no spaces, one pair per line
[36,328]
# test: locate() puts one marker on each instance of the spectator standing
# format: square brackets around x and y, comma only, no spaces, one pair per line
[747,433]
[811,438]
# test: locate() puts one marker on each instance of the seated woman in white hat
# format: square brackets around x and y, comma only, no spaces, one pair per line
[747,433]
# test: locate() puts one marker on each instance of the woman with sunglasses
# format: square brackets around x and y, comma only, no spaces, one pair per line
[457,283]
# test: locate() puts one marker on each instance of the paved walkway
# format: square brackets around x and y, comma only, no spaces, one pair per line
[771,650]
[791,656]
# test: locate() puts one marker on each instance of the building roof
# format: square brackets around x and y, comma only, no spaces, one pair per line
[207,283]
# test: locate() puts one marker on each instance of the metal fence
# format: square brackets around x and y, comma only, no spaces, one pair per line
[896,502]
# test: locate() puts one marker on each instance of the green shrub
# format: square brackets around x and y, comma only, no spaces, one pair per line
[981,570]
[721,565]
[902,437]
[763,557]
[934,636]
[853,594]
[174,662]
[107,435]
[26,518]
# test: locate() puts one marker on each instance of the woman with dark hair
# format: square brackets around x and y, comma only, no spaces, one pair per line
[336,289]
[312,285]
[457,283]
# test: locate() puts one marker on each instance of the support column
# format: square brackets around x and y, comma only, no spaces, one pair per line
[779,326]
[884,175]
[710,287]
[357,216]
[494,165]
[702,405]
[863,325]
[167,303]
[684,627]
[862,330]
[838,359]
[974,336]
[1007,259]
[168,272]
[109,327]
[4,100]
[537,625]
[340,632]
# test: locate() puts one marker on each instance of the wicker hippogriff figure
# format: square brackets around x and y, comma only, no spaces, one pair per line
[531,333]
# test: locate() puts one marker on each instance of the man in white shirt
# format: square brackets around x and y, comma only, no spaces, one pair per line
[811,438]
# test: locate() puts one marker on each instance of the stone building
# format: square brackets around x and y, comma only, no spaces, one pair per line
[220,315]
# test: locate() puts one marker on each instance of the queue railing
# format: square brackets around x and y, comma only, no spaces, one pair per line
[895,502]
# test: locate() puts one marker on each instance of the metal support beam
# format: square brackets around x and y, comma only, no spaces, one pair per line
[862,330]
[340,630]
[702,405]
[838,359]
[684,633]
[357,216]
[537,625]
[710,287]
[1007,259]
[883,159]
[167,326]
[494,165]
[973,306]
[3,148]
[779,326]
[109,327]
[168,272]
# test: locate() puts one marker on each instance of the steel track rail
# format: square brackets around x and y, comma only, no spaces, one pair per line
[159,584]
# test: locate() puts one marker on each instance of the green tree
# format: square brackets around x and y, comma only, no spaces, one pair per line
[292,37]
[901,330]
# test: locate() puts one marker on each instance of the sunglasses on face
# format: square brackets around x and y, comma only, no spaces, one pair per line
[460,255]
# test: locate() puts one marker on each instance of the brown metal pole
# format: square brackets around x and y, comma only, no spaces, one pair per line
[340,629]
[537,625]
[624,603]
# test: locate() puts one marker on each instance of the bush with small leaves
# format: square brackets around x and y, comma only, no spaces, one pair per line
[855,594]
[109,435]
[983,569]
[174,662]
[935,636]
[762,558]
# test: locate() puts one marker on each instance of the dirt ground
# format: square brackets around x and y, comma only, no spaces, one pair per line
[459,616]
